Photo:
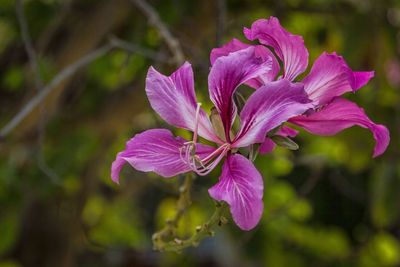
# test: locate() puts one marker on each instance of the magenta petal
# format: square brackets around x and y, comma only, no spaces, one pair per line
[289,48]
[241,186]
[339,115]
[269,107]
[268,145]
[227,74]
[287,131]
[361,78]
[226,49]
[155,150]
[174,99]
[260,51]
[330,76]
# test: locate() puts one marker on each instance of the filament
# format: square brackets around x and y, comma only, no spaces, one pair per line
[188,152]
[206,165]
[196,125]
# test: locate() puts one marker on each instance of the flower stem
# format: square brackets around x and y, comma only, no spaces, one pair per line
[167,240]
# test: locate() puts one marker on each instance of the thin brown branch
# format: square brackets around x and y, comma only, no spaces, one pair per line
[61,76]
[70,70]
[26,38]
[155,20]
[35,68]
[133,48]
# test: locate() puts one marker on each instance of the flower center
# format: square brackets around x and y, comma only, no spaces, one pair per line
[201,165]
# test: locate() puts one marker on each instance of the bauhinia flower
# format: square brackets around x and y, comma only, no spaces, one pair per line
[173,98]
[329,78]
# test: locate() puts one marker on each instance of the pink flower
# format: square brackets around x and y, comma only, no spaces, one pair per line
[173,98]
[313,104]
[329,78]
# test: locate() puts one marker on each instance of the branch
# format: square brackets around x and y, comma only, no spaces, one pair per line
[182,204]
[61,76]
[202,231]
[154,19]
[166,239]
[133,48]
[70,70]
[19,8]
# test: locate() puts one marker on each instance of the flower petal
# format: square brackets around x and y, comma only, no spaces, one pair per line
[174,99]
[241,186]
[361,78]
[155,150]
[227,74]
[268,145]
[330,76]
[226,49]
[260,50]
[269,107]
[339,115]
[288,47]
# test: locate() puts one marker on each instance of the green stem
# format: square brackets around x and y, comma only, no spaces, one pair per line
[203,231]
[182,204]
[166,239]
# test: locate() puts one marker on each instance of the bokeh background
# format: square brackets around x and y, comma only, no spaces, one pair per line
[327,204]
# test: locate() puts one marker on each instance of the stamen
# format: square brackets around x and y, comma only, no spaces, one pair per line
[196,126]
[213,154]
[203,166]
[204,170]
[188,152]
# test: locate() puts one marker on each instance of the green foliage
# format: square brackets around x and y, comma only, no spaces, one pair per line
[118,68]
[382,250]
[113,224]
[194,217]
[326,243]
[385,206]
[8,230]
[9,264]
[13,79]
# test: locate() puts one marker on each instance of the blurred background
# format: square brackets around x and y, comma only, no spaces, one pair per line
[72,76]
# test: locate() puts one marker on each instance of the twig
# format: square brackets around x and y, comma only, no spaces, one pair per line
[154,19]
[71,69]
[202,231]
[166,239]
[133,48]
[63,11]
[33,61]
[61,76]
[182,204]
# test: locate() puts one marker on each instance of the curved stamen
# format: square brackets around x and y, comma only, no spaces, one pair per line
[196,126]
[188,154]
[202,171]
[213,154]
[206,165]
